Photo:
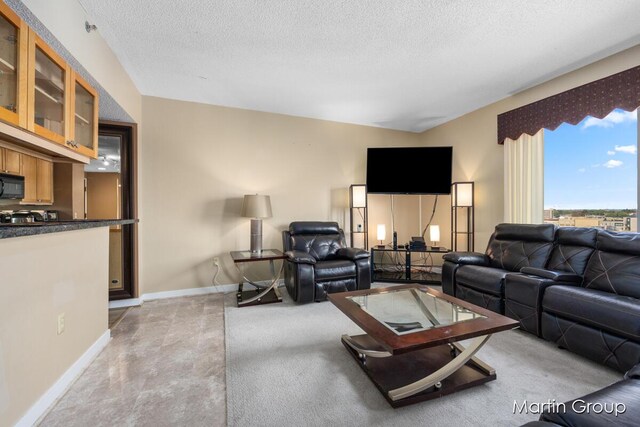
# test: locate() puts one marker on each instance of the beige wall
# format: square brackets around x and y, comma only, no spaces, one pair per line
[199,160]
[478,157]
[70,278]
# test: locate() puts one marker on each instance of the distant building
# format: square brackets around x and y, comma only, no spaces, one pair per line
[631,223]
[548,213]
[582,221]
[613,224]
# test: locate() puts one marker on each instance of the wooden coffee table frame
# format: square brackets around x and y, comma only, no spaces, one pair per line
[423,365]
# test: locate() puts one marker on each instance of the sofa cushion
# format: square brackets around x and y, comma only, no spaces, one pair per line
[574,247]
[334,269]
[616,314]
[319,246]
[486,279]
[525,232]
[625,243]
[616,273]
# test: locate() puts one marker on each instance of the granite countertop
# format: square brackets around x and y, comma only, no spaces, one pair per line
[32,228]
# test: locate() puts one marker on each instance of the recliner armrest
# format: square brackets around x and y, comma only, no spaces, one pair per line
[300,257]
[467,258]
[556,276]
[352,253]
[633,373]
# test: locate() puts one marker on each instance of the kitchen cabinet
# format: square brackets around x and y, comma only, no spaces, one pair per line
[41,93]
[83,130]
[49,96]
[38,180]
[14,35]
[10,161]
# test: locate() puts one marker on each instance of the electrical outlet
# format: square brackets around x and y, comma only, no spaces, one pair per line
[60,323]
[216,261]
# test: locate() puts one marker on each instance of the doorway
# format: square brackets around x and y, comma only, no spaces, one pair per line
[110,193]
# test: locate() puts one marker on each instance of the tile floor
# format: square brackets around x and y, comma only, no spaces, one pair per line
[165,365]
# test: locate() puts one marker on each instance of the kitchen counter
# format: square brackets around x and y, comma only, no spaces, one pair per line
[32,228]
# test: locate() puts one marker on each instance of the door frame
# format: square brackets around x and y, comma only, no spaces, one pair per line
[129,176]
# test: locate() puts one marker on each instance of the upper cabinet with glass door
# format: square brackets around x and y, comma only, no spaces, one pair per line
[13,67]
[48,92]
[40,92]
[84,131]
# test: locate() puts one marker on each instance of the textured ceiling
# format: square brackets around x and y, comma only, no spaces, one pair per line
[406,65]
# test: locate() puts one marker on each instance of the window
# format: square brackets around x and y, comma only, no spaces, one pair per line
[591,173]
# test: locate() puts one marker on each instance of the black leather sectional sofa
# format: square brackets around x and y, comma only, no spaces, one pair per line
[577,287]
[617,404]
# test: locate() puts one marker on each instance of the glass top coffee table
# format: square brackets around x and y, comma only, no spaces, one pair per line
[410,350]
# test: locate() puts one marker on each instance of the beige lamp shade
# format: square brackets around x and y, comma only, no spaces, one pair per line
[464,194]
[359,196]
[256,206]
[434,233]
[381,232]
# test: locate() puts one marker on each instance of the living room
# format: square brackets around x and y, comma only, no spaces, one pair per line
[198,157]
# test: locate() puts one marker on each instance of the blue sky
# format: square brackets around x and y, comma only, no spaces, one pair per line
[592,165]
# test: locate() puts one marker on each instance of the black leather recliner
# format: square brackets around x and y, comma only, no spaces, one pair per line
[600,317]
[319,262]
[479,278]
[617,404]
[523,292]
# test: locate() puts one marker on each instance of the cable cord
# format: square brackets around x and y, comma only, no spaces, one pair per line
[215,276]
[433,212]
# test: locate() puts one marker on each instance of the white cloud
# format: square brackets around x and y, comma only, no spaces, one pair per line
[582,170]
[612,164]
[630,149]
[613,118]
[611,153]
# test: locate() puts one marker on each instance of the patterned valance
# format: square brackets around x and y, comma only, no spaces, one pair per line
[597,99]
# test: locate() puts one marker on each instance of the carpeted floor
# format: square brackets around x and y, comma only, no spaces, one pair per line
[287,366]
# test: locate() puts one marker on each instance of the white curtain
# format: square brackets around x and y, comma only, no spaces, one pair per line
[524,179]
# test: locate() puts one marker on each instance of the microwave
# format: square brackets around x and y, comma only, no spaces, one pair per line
[11,186]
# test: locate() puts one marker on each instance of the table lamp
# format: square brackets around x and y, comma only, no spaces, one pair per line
[381,234]
[256,207]
[434,234]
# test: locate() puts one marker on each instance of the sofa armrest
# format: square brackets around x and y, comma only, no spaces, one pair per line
[300,257]
[467,258]
[556,276]
[352,253]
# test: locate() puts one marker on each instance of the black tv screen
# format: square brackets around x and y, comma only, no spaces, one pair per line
[409,170]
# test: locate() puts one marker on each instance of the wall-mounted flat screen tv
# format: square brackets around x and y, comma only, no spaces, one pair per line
[409,170]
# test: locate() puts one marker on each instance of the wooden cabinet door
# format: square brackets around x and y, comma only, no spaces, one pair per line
[44,181]
[14,40]
[12,162]
[29,171]
[83,114]
[48,91]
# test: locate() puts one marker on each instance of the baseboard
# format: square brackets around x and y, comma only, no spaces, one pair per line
[122,303]
[189,292]
[57,390]
[198,291]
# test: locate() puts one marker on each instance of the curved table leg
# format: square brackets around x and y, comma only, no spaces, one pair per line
[435,378]
[264,290]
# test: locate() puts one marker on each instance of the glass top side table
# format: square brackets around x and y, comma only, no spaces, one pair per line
[261,294]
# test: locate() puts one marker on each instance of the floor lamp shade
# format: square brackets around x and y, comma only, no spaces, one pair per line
[256,207]
[358,196]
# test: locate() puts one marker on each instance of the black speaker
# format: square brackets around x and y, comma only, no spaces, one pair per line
[395,241]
